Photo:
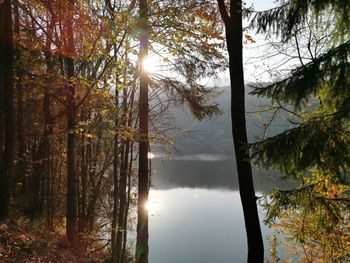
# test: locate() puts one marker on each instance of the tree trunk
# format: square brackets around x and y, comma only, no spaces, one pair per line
[48,122]
[233,25]
[21,166]
[83,178]
[123,176]
[6,86]
[95,186]
[47,153]
[143,183]
[125,237]
[72,198]
[115,182]
[36,186]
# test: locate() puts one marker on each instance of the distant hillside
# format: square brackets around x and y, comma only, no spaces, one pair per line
[206,156]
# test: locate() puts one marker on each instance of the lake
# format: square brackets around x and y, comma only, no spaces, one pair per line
[194,205]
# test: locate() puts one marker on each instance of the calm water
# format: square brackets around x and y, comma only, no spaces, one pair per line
[194,206]
[203,221]
[196,225]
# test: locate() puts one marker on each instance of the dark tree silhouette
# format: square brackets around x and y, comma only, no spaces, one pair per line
[143,185]
[6,104]
[233,26]
[72,205]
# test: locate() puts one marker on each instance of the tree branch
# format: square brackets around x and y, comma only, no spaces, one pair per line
[223,11]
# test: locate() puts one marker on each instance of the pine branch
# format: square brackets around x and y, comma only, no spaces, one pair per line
[332,69]
[284,19]
[320,143]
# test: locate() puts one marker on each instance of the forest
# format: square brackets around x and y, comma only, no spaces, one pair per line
[174,131]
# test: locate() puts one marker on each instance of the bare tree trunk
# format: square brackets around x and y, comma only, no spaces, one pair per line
[233,25]
[48,130]
[96,186]
[143,183]
[115,182]
[83,178]
[125,237]
[47,153]
[72,198]
[20,173]
[36,186]
[123,177]
[7,88]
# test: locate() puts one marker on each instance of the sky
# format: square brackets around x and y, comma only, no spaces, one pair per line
[254,68]
[261,4]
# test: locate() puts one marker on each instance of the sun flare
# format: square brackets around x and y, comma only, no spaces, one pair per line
[150,155]
[152,207]
[149,64]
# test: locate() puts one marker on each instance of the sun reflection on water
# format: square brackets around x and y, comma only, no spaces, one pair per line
[153,206]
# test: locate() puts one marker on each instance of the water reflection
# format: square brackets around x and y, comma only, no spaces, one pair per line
[218,174]
[198,216]
[197,225]
[194,209]
[153,205]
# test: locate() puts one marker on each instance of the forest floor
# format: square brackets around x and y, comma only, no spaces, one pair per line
[23,243]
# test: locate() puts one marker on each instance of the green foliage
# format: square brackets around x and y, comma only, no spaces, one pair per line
[102,109]
[190,37]
[320,137]
[321,143]
[291,14]
[316,150]
[315,216]
[196,96]
[330,71]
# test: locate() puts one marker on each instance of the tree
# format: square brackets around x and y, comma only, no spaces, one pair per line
[143,184]
[313,218]
[114,232]
[7,106]
[76,77]
[319,138]
[19,95]
[234,31]
[72,198]
[316,150]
